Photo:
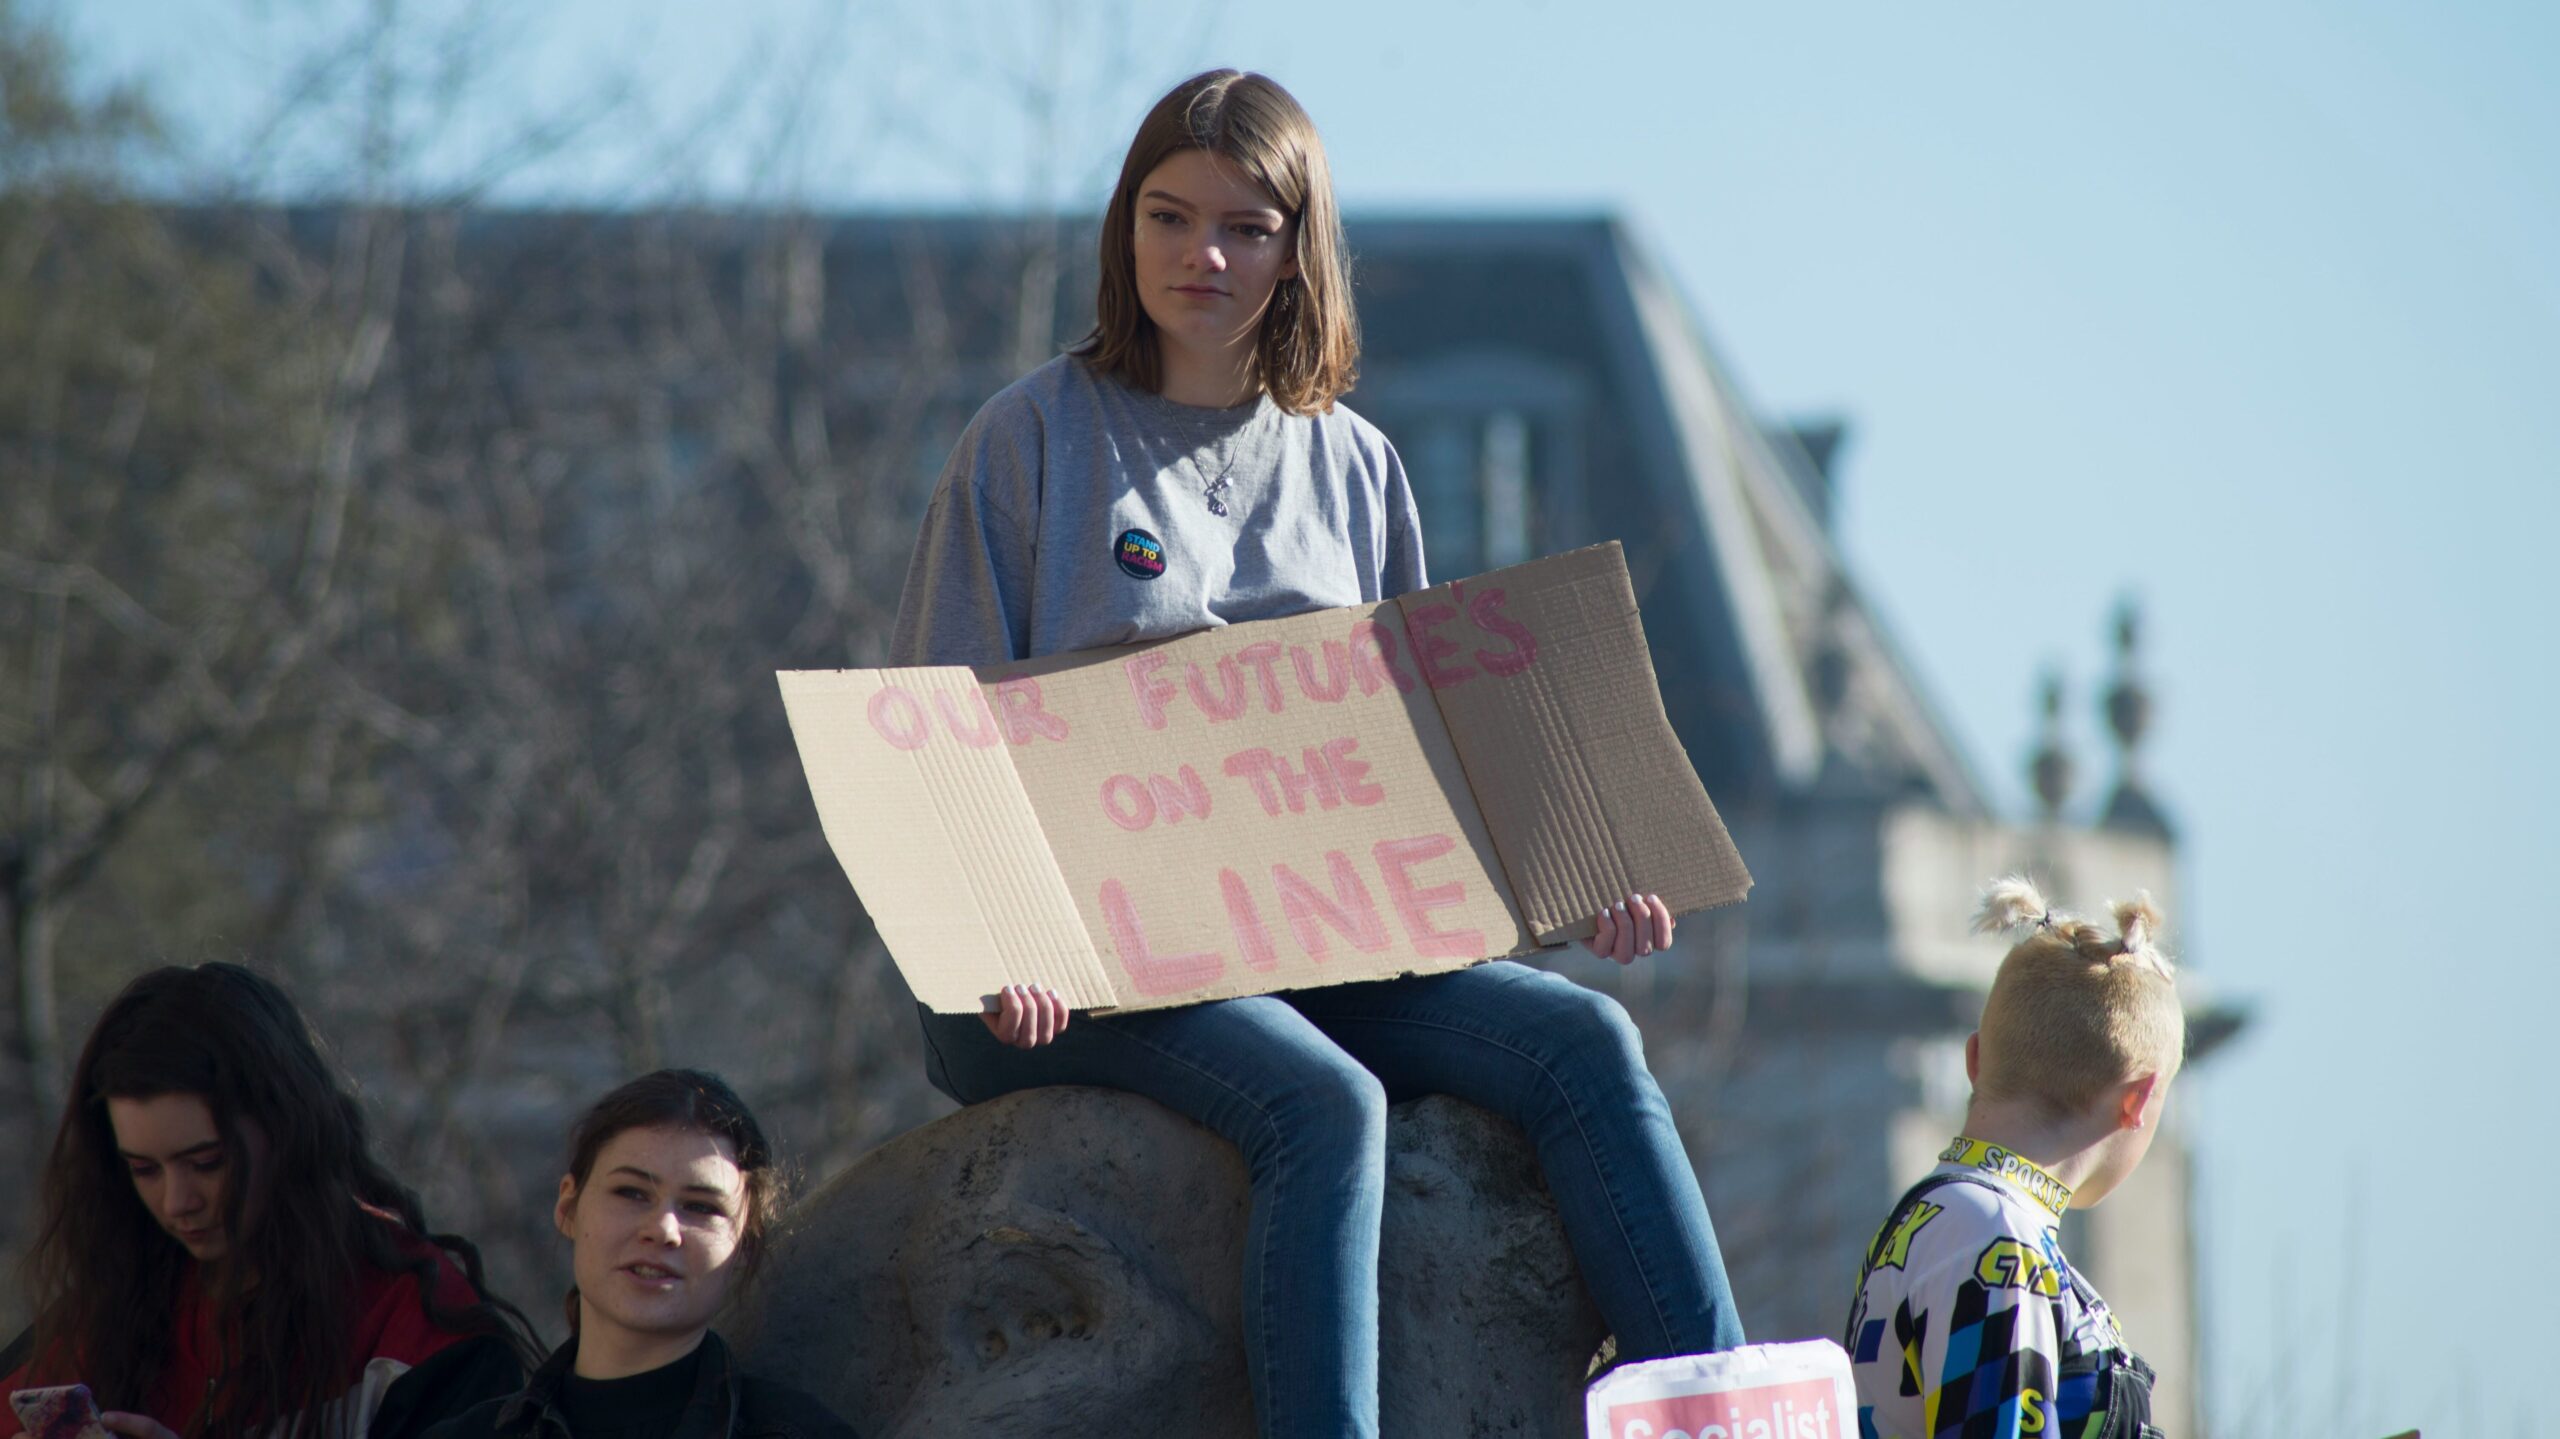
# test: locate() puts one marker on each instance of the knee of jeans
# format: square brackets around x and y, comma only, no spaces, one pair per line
[1335,1106]
[1593,1037]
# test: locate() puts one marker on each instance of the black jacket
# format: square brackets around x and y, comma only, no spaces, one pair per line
[725,1405]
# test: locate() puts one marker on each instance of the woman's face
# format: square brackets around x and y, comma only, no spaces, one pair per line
[181,1169]
[656,1231]
[1211,247]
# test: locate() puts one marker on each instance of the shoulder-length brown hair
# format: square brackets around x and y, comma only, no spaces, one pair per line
[1309,350]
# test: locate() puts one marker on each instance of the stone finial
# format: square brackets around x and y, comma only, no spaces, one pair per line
[2128,714]
[2128,699]
[2049,769]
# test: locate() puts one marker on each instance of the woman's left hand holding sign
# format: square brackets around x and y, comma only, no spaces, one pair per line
[1632,928]
[1027,1017]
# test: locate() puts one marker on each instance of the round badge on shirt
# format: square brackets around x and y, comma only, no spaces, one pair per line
[1139,555]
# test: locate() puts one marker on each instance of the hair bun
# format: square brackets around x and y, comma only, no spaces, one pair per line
[2011,902]
[2138,926]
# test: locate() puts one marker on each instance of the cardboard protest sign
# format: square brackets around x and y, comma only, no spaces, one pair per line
[1461,773]
[1803,1390]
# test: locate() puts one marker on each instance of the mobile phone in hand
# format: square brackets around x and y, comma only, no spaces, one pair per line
[65,1411]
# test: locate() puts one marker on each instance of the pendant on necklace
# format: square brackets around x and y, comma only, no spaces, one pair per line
[1215,493]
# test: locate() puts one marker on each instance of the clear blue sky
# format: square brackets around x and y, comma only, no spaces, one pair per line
[2253,310]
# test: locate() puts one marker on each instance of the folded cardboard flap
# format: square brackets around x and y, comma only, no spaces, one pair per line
[1584,786]
[938,839]
[1465,772]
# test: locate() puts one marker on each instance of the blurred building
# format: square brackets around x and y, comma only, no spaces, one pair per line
[1547,388]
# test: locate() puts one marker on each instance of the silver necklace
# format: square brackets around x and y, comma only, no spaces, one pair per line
[1213,492]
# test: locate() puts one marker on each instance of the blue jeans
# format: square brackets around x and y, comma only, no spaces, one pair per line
[1300,1082]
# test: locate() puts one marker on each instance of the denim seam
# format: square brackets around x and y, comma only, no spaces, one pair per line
[1573,1106]
[1266,1418]
[940,1061]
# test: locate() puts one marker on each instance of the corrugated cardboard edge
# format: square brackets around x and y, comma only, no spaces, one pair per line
[1613,807]
[972,876]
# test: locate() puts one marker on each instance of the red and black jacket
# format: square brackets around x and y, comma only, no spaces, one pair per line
[404,1374]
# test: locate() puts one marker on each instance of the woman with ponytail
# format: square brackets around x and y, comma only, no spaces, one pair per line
[1968,1318]
[218,1251]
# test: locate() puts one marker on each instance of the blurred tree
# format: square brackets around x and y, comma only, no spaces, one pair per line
[388,598]
[173,502]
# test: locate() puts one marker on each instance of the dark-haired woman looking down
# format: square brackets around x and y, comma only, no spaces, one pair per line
[219,1252]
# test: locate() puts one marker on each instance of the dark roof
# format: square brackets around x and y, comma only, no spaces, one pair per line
[1796,675]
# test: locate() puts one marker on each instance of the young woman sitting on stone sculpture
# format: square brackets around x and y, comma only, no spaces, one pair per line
[1199,421]
[217,1250]
[669,1197]
[1968,1319]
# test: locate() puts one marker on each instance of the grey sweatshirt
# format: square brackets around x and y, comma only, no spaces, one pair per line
[1077,511]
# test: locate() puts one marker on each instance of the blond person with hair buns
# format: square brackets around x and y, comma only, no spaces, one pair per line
[1969,1321]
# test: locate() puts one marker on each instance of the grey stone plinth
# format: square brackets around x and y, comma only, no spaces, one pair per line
[1069,1261]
